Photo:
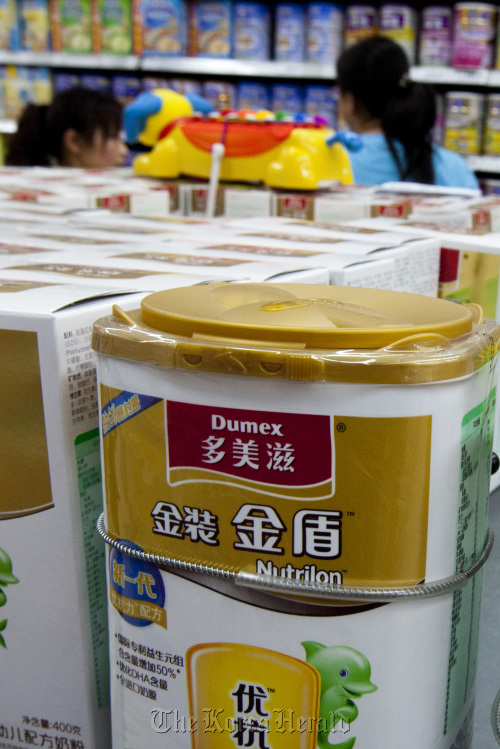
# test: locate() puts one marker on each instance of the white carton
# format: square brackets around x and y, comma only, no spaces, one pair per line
[415,259]
[55,660]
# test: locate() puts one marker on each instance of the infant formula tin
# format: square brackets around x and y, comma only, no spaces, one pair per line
[399,22]
[252,31]
[160,27]
[126,87]
[149,83]
[184,86]
[325,23]
[321,101]
[63,81]
[290,32]
[491,144]
[97,82]
[294,440]
[221,94]
[253,95]
[211,28]
[474,35]
[361,21]
[464,122]
[436,35]
[285,97]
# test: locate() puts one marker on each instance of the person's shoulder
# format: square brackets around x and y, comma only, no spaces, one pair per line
[452,169]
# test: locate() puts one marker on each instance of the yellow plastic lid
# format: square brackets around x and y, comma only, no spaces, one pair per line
[302,332]
[311,315]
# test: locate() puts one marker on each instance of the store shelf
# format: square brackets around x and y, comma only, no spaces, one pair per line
[239,68]
[486,164]
[63,60]
[445,76]
[185,65]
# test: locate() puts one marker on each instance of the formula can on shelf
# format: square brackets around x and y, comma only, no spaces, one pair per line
[436,35]
[361,21]
[399,23]
[464,122]
[252,31]
[492,126]
[290,32]
[324,39]
[474,32]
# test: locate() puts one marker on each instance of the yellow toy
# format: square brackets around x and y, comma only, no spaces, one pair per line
[184,134]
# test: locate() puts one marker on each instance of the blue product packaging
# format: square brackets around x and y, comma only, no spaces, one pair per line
[221,94]
[287,98]
[252,31]
[34,25]
[325,32]
[185,86]
[162,27]
[253,95]
[97,82]
[290,32]
[149,83]
[321,101]
[63,81]
[126,87]
[40,85]
[211,28]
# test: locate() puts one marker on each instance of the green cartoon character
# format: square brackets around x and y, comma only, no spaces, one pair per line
[6,578]
[345,676]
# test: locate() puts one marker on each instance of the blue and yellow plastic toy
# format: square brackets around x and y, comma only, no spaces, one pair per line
[182,130]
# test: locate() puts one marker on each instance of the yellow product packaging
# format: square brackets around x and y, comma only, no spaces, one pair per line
[330,446]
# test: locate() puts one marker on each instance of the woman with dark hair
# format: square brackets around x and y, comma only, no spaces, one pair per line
[81,128]
[394,117]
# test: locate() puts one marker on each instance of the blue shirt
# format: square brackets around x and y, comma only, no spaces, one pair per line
[373,164]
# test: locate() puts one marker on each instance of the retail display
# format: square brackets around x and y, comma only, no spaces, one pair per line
[231,318]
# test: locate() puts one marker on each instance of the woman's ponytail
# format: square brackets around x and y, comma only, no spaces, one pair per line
[27,146]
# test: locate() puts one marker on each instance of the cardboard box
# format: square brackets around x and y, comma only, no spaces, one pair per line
[55,660]
[415,258]
[71,26]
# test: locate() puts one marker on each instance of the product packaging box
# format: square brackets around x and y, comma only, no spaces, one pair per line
[211,28]
[112,26]
[10,37]
[160,27]
[416,258]
[15,90]
[54,626]
[34,25]
[71,26]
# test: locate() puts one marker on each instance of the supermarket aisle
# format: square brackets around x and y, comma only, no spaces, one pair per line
[488,671]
